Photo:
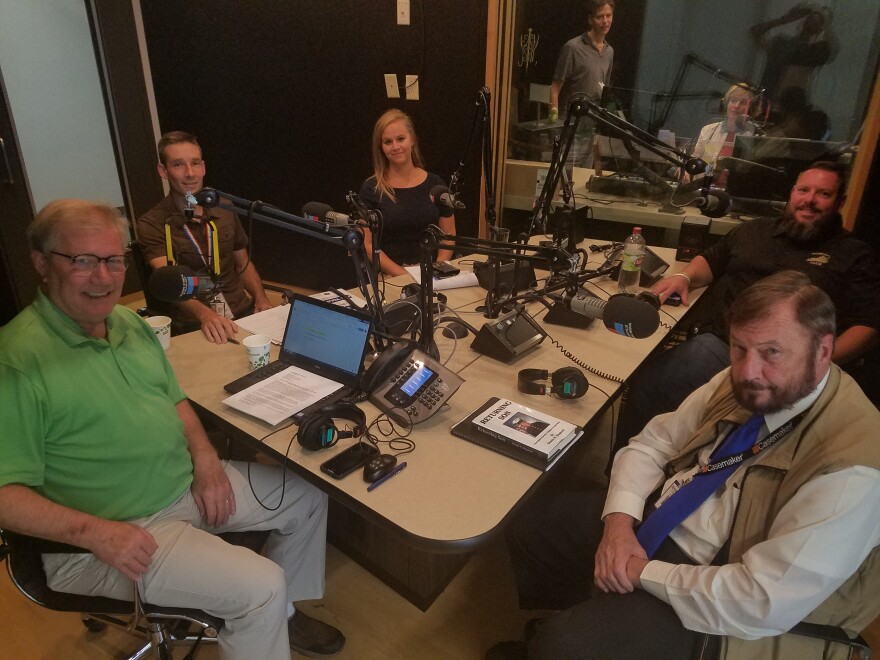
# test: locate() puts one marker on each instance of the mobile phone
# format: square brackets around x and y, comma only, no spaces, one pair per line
[349,460]
[445,269]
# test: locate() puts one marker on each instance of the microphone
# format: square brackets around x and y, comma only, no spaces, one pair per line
[441,196]
[177,283]
[320,212]
[713,202]
[371,216]
[694,166]
[623,313]
[189,211]
[207,197]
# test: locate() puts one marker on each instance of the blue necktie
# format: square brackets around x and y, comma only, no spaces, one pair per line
[687,499]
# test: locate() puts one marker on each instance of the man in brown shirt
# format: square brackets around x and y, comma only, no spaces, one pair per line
[239,290]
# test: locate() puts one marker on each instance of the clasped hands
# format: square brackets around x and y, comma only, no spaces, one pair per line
[620,558]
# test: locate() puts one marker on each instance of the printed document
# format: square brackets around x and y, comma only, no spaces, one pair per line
[286,393]
[269,322]
[455,282]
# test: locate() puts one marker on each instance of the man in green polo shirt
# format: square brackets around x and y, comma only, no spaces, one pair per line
[100,449]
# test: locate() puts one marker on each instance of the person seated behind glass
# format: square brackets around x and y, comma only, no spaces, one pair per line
[716,140]
[400,189]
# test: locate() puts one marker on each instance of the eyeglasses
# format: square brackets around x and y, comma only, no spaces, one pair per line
[87,263]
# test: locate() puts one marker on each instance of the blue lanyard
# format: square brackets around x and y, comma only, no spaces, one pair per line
[759,446]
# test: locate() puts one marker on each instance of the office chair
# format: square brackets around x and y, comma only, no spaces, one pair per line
[160,627]
[858,648]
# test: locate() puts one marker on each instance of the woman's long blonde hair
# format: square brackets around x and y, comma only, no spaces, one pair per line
[380,162]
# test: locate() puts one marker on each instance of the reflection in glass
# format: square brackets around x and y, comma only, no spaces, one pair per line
[806,83]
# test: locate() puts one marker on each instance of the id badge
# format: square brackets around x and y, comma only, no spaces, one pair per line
[675,484]
[219,305]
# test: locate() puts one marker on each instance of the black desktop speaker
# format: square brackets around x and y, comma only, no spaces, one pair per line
[509,280]
[403,317]
[508,336]
[693,238]
[652,269]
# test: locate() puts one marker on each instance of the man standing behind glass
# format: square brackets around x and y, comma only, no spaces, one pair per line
[584,67]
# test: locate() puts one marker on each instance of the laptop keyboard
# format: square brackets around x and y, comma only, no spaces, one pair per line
[255,377]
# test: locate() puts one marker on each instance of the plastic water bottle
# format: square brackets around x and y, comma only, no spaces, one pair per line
[630,268]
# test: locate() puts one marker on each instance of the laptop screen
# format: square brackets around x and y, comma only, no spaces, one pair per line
[326,339]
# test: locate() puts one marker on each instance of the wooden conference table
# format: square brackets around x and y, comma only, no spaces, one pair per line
[417,530]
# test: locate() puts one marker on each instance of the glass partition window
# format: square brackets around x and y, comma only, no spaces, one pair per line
[805,70]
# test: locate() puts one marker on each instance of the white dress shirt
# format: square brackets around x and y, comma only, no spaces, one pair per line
[817,541]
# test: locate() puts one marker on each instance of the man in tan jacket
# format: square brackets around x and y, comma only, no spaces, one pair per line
[703,541]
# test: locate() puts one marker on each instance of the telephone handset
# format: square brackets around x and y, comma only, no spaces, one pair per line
[387,362]
[409,385]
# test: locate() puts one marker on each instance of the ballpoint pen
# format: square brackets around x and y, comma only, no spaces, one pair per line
[381,481]
[231,340]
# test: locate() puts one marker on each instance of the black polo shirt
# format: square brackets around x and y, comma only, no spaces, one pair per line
[841,265]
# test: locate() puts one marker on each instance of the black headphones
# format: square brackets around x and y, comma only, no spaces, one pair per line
[568,382]
[317,431]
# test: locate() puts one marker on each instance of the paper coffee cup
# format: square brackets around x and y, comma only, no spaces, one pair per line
[161,325]
[257,349]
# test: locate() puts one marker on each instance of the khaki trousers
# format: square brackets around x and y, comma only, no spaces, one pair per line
[194,568]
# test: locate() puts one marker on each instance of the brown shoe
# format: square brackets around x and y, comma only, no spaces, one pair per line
[313,638]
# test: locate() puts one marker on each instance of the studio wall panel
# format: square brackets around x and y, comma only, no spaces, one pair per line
[283,96]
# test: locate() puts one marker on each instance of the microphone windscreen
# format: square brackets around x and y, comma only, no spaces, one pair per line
[718,203]
[207,197]
[168,283]
[631,317]
[316,210]
[437,191]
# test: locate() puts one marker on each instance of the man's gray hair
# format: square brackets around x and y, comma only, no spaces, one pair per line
[65,214]
[814,309]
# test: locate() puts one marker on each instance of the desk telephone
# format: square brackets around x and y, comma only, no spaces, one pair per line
[409,385]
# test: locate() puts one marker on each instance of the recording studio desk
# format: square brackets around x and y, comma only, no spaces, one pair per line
[520,193]
[416,531]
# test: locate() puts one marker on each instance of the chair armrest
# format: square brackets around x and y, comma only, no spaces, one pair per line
[831,634]
[13,542]
[286,294]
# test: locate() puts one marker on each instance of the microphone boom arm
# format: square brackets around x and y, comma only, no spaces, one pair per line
[643,138]
[558,259]
[349,238]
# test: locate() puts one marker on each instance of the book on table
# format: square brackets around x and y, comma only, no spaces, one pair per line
[519,432]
